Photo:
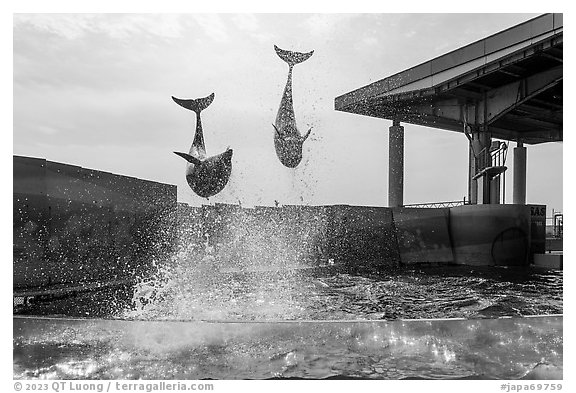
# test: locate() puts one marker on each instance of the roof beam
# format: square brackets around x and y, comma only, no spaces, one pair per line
[502,100]
[505,71]
[550,56]
[547,104]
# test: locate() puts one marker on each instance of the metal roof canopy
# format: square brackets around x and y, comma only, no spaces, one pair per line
[509,84]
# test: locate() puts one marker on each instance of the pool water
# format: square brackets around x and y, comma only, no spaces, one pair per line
[204,321]
[510,348]
[324,293]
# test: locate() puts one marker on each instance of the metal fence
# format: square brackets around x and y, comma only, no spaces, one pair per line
[555,225]
[437,205]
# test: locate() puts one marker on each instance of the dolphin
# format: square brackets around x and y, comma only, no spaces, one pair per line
[287,139]
[206,176]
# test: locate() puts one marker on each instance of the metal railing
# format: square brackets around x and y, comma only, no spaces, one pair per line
[555,225]
[492,156]
[438,205]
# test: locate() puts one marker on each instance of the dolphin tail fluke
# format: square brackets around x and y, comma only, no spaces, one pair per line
[196,105]
[292,57]
[189,158]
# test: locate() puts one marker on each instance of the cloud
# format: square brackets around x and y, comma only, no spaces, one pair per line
[213,26]
[65,25]
[247,22]
[369,40]
[118,26]
[161,25]
[325,24]
[76,116]
[250,23]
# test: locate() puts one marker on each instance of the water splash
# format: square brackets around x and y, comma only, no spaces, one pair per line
[250,267]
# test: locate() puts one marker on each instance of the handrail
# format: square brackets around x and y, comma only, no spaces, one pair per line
[436,205]
[488,157]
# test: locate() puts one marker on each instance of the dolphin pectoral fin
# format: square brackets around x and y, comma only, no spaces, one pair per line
[307,135]
[277,131]
[189,158]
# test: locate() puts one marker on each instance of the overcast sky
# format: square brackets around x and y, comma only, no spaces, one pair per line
[94,90]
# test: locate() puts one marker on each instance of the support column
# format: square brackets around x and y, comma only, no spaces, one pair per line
[472,185]
[495,190]
[478,159]
[396,165]
[519,190]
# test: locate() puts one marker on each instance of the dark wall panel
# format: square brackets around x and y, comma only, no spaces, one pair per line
[423,235]
[491,234]
[293,236]
[73,224]
[364,234]
[30,214]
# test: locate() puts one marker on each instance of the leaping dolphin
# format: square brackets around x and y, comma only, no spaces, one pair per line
[287,139]
[206,176]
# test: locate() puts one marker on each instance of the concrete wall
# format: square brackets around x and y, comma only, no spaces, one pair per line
[491,234]
[359,235]
[362,234]
[73,224]
[423,235]
[295,235]
[30,217]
